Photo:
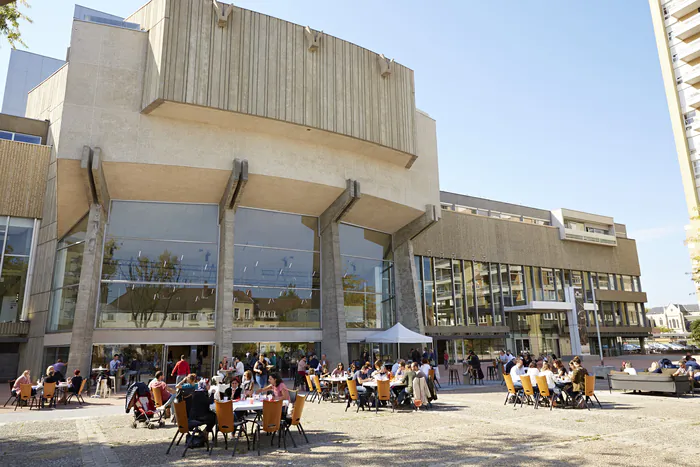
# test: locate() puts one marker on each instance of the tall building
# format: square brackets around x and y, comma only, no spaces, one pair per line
[25,71]
[677,30]
[218,181]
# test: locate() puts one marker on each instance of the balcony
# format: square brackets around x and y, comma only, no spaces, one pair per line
[14,329]
[690,52]
[681,8]
[688,29]
[589,237]
[692,76]
[693,101]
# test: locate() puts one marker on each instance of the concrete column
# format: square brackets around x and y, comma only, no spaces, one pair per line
[86,303]
[334,335]
[409,310]
[224,292]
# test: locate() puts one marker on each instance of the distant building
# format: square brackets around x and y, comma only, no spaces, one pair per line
[24,72]
[675,317]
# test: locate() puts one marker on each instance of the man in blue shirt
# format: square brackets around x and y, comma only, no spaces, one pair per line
[114,366]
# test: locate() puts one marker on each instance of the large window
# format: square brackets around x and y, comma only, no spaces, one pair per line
[469,288]
[277,270]
[443,292]
[159,266]
[66,277]
[483,294]
[51,356]
[548,287]
[517,286]
[15,251]
[429,291]
[368,277]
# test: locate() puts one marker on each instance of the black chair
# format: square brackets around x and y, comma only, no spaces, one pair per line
[12,397]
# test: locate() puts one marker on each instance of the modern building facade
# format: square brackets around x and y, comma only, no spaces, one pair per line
[677,30]
[221,181]
[24,71]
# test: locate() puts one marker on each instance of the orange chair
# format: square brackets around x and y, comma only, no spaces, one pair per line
[49,394]
[271,422]
[511,389]
[78,395]
[323,392]
[544,393]
[25,395]
[383,394]
[225,423]
[590,392]
[184,427]
[294,420]
[310,385]
[528,391]
[355,396]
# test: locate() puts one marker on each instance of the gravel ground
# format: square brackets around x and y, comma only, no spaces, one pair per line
[464,428]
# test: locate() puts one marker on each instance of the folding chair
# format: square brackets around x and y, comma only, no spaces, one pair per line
[271,422]
[184,427]
[12,383]
[544,393]
[322,392]
[383,394]
[511,390]
[226,423]
[354,395]
[49,394]
[528,391]
[294,420]
[25,395]
[78,395]
[431,375]
[590,392]
[311,392]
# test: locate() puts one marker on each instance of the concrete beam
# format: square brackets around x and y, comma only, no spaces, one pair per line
[85,171]
[235,186]
[99,181]
[409,309]
[342,204]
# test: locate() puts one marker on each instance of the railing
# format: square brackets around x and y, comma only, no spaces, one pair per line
[14,328]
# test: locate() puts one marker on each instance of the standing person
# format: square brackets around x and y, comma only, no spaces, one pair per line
[446,359]
[415,356]
[324,361]
[313,363]
[238,365]
[59,366]
[273,359]
[301,372]
[260,371]
[181,370]
[114,365]
[365,357]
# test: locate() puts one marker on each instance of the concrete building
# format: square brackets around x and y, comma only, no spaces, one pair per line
[220,182]
[677,29]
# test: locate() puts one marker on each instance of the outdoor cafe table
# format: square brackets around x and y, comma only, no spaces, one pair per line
[246,405]
[373,384]
[61,386]
[335,382]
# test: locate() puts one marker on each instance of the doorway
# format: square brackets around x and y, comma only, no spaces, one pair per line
[200,358]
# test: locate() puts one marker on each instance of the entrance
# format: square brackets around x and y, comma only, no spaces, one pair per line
[522,345]
[200,358]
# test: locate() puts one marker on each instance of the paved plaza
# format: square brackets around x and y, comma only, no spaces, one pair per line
[467,426]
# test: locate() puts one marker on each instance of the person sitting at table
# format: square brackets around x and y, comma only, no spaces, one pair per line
[559,369]
[533,372]
[239,366]
[362,376]
[517,371]
[474,364]
[325,373]
[379,372]
[629,369]
[654,368]
[682,369]
[24,378]
[51,376]
[189,382]
[158,384]
[278,388]
[400,371]
[578,378]
[425,367]
[74,383]
[338,370]
[248,384]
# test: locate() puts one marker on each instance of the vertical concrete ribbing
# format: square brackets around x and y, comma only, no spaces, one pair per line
[224,294]
[334,335]
[408,307]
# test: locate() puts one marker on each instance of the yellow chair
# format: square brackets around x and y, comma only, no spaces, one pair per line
[294,420]
[528,391]
[322,392]
[49,394]
[383,394]
[590,392]
[544,393]
[25,395]
[225,423]
[78,395]
[511,389]
[184,427]
[310,385]
[271,422]
[354,395]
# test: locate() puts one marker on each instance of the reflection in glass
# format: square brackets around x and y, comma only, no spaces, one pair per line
[62,308]
[367,311]
[603,281]
[276,229]
[159,261]
[517,285]
[608,313]
[443,292]
[633,314]
[14,281]
[627,283]
[156,306]
[367,275]
[429,292]
[271,267]
[459,291]
[559,285]
[164,221]
[495,278]
[19,236]
[356,241]
[537,284]
[483,292]
[76,234]
[529,286]
[469,288]
[548,288]
[276,307]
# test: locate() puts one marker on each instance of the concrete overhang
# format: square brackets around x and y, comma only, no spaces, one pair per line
[540,307]
[681,8]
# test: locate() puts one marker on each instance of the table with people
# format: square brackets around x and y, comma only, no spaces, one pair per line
[53,387]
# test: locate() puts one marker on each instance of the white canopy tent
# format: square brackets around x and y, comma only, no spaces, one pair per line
[398,334]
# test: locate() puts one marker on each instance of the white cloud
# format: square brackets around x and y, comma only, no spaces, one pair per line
[655,233]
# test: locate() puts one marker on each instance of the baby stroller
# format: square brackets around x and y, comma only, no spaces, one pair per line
[139,398]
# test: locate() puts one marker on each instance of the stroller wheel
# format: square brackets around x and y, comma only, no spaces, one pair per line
[161,423]
[151,426]
[133,424]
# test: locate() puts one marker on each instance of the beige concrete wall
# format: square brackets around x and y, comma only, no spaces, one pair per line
[260,65]
[102,108]
[479,238]
[23,169]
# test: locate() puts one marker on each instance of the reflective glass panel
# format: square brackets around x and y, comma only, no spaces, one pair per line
[483,290]
[443,292]
[366,275]
[164,221]
[156,306]
[608,313]
[12,286]
[19,236]
[469,288]
[459,290]
[276,229]
[603,282]
[262,307]
[529,286]
[496,286]
[158,261]
[22,138]
[76,234]
[429,292]
[633,314]
[366,311]
[548,287]
[559,284]
[356,241]
[627,283]
[637,285]
[517,285]
[537,284]
[62,309]
[276,268]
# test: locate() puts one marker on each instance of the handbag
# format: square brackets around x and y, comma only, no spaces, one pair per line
[196,439]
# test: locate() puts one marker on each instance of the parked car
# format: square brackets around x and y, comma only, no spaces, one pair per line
[631,348]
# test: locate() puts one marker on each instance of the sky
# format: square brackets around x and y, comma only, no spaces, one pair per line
[549,104]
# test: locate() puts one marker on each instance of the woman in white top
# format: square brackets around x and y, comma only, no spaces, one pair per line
[425,367]
[533,372]
[629,370]
[547,373]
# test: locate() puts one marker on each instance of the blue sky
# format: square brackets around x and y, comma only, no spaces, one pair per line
[549,104]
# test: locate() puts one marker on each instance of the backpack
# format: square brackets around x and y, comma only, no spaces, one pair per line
[196,439]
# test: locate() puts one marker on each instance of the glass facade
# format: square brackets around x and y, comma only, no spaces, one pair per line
[16,235]
[159,267]
[66,277]
[51,356]
[277,270]
[368,277]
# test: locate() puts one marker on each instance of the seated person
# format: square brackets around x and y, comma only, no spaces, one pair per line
[425,367]
[278,388]
[379,372]
[560,369]
[682,370]
[189,382]
[654,368]
[629,369]
[74,383]
[51,376]
[363,376]
[248,384]
[24,378]
[516,372]
[474,364]
[546,371]
[158,384]
[578,378]
[338,370]
[400,371]
[533,372]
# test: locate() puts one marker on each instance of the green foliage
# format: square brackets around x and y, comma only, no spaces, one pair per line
[10,16]
[665,329]
[695,331]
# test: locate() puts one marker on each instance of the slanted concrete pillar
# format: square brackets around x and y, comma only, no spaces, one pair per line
[409,311]
[86,302]
[334,337]
[224,296]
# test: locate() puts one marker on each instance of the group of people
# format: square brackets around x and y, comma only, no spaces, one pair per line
[54,374]
[559,379]
[687,366]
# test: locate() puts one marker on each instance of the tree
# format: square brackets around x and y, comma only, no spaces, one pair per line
[665,329]
[695,331]
[10,16]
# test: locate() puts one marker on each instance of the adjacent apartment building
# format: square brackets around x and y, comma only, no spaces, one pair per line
[217,181]
[677,29]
